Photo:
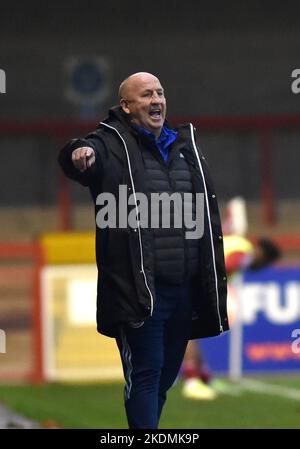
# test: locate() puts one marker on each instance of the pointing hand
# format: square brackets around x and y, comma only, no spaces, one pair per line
[83,158]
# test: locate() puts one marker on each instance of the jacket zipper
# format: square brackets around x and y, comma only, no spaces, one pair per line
[137,213]
[172,185]
[209,222]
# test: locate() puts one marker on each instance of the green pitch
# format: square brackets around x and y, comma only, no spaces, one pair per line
[265,403]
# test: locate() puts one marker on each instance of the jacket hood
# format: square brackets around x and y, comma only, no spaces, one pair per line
[116,114]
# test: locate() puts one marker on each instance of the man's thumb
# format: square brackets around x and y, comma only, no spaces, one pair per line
[89,151]
[90,158]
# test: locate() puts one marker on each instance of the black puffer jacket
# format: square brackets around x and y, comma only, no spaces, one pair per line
[125,256]
[175,256]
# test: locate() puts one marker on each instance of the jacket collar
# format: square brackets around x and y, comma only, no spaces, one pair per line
[119,120]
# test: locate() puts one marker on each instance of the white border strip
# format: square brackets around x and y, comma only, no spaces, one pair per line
[257,386]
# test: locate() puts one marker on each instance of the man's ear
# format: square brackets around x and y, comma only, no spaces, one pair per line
[124,106]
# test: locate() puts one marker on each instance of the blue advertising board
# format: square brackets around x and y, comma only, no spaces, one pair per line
[269,320]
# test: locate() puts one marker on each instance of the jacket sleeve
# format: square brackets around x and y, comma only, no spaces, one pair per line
[87,177]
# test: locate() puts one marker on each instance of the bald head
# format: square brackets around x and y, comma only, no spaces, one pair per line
[134,81]
[142,99]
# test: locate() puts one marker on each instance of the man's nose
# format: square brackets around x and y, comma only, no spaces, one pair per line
[156,98]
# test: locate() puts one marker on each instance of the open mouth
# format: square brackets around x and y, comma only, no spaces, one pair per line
[155,113]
